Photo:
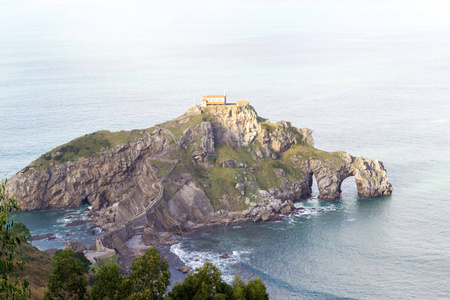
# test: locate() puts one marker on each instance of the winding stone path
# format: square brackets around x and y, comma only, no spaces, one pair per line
[140,217]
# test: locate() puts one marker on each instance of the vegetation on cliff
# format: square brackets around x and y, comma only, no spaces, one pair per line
[211,165]
[89,145]
[12,286]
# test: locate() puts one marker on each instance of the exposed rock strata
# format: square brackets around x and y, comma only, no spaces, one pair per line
[121,182]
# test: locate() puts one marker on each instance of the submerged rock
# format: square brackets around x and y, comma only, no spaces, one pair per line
[45,236]
[76,223]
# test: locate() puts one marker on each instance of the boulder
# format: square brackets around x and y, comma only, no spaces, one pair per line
[231,163]
[266,216]
[279,172]
[184,269]
[75,246]
[240,186]
[285,208]
[45,236]
[264,193]
[76,223]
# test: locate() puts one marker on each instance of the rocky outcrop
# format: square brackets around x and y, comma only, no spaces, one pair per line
[234,126]
[371,178]
[104,179]
[370,175]
[45,236]
[201,137]
[75,246]
[273,164]
[186,209]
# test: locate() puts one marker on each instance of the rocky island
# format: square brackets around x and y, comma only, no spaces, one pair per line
[213,165]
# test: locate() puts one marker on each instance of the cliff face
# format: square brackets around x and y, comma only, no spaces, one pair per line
[196,167]
[103,179]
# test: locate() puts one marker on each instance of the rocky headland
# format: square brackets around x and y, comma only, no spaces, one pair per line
[211,166]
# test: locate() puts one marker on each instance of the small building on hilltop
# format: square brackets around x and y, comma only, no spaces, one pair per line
[214,100]
[242,103]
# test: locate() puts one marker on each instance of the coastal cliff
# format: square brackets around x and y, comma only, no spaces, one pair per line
[211,165]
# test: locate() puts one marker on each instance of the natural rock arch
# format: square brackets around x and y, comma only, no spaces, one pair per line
[370,176]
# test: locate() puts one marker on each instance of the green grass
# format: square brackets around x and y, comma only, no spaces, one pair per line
[178,129]
[88,145]
[330,159]
[162,166]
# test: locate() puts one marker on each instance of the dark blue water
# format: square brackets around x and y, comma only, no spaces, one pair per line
[56,221]
[369,77]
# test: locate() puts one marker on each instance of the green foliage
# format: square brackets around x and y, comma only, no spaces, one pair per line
[11,286]
[149,279]
[163,166]
[255,289]
[80,256]
[107,283]
[207,118]
[20,229]
[149,276]
[67,280]
[238,288]
[204,283]
[212,159]
[86,146]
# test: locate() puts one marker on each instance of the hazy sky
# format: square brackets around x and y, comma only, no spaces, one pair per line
[166,20]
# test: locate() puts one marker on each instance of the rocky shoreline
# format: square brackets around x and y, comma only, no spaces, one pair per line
[212,166]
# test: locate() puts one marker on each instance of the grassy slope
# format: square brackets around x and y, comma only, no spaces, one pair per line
[86,146]
[218,182]
[36,269]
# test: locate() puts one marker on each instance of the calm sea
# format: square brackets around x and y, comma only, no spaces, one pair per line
[371,78]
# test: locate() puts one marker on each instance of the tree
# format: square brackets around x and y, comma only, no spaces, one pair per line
[255,289]
[67,280]
[238,286]
[22,230]
[80,256]
[107,283]
[149,276]
[204,283]
[11,286]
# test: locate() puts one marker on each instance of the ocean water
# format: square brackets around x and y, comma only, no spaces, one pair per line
[369,77]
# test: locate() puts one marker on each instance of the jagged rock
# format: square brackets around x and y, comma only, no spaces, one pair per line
[184,269]
[75,246]
[224,256]
[121,182]
[259,153]
[205,149]
[264,193]
[240,178]
[371,178]
[279,172]
[266,216]
[285,208]
[45,236]
[76,223]
[240,186]
[231,163]
[291,204]
[100,179]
